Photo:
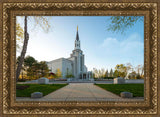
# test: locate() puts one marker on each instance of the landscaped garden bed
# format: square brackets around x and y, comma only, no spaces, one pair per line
[136,89]
[25,90]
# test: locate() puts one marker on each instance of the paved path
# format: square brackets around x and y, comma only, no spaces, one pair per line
[79,92]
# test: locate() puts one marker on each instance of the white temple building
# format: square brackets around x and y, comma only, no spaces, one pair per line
[75,64]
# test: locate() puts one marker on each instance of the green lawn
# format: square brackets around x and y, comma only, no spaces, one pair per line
[136,89]
[44,88]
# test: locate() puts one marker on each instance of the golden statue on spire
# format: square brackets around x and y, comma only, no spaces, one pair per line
[77,27]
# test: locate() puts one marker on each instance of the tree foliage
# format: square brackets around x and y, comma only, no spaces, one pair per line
[58,73]
[122,23]
[39,20]
[122,70]
[99,73]
[29,61]
[43,68]
[115,74]
[106,73]
[34,69]
[111,73]
[42,22]
[19,37]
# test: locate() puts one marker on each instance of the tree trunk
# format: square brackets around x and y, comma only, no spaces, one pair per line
[25,43]
[142,71]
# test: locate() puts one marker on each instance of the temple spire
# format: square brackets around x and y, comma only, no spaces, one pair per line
[77,36]
[77,41]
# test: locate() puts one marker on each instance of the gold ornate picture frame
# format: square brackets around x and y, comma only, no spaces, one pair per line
[147,8]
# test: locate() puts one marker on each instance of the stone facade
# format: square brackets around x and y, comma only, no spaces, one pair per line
[119,80]
[43,80]
[126,95]
[36,95]
[75,64]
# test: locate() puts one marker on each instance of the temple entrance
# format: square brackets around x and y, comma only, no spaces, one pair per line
[84,76]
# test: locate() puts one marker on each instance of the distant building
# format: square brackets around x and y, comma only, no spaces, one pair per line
[74,65]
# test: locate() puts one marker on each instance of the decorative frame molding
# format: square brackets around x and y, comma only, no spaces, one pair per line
[148,10]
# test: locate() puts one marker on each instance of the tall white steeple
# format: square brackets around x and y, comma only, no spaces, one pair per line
[78,56]
[77,41]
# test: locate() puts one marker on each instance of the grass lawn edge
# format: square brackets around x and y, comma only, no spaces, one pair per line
[138,92]
[46,89]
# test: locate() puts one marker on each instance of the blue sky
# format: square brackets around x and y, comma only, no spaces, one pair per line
[102,48]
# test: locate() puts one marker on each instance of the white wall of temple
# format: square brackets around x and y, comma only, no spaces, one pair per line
[75,55]
[66,67]
[85,69]
[73,59]
[83,63]
[62,64]
[78,66]
[55,64]
[79,62]
[73,64]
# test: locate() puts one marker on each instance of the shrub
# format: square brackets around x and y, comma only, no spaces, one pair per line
[138,77]
[21,80]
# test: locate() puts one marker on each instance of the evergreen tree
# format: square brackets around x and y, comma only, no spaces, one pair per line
[111,73]
[29,61]
[43,68]
[106,73]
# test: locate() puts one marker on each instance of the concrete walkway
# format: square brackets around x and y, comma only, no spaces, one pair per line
[79,92]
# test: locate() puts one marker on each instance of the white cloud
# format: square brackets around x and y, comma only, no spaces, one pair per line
[115,51]
[110,46]
[131,48]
